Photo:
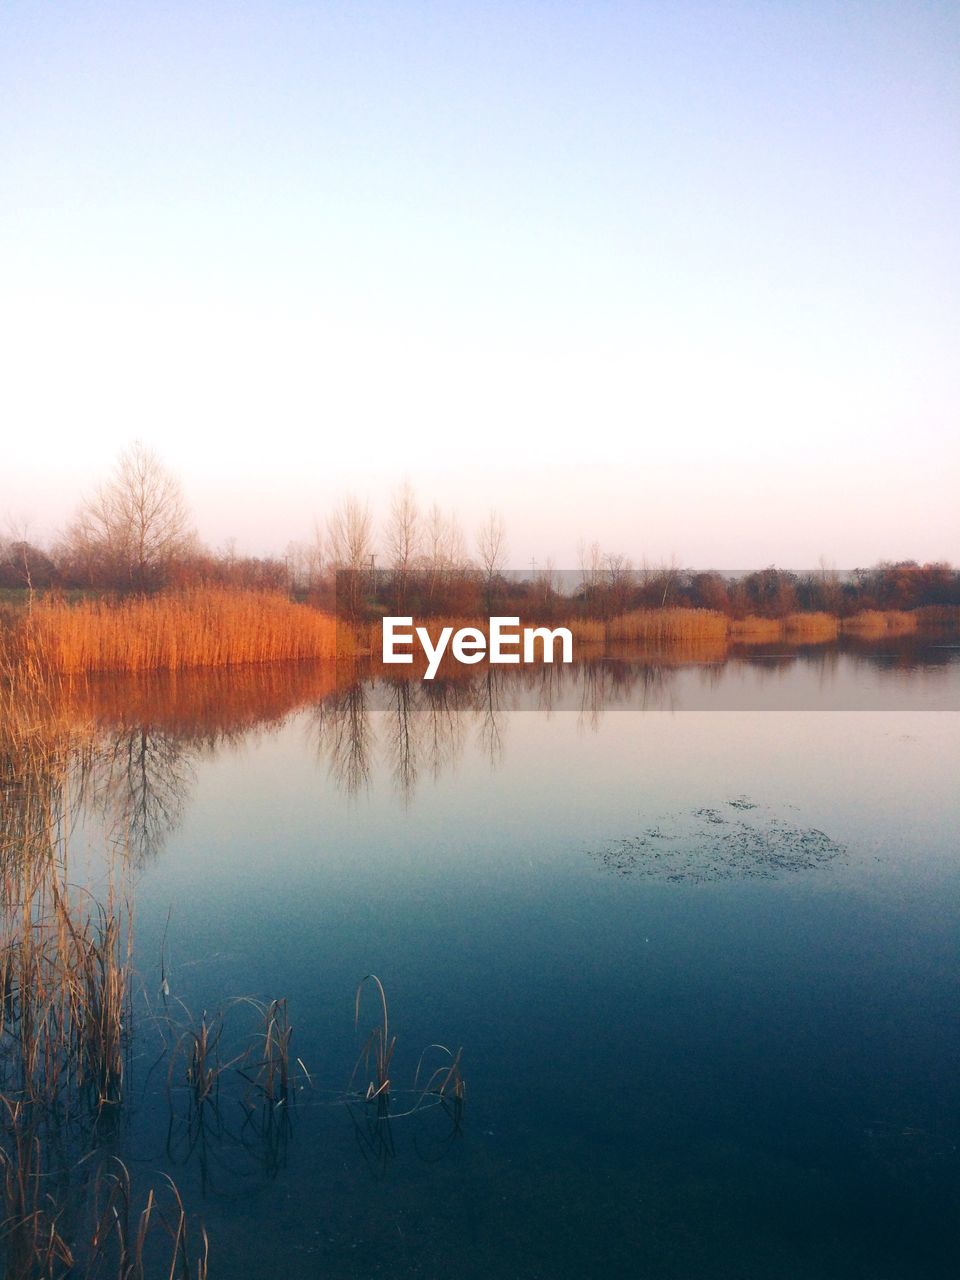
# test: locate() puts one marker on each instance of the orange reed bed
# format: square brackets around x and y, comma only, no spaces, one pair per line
[667,626]
[875,622]
[173,631]
[810,628]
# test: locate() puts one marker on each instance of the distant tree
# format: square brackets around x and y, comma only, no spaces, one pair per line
[618,579]
[591,577]
[492,550]
[402,540]
[350,552]
[446,569]
[709,591]
[22,564]
[771,592]
[136,527]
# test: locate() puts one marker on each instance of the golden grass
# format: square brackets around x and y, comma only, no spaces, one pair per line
[175,631]
[753,630]
[810,627]
[876,622]
[587,631]
[667,626]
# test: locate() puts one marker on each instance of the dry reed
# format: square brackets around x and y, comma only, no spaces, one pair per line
[667,626]
[174,631]
[587,631]
[754,630]
[378,1047]
[877,622]
[810,628]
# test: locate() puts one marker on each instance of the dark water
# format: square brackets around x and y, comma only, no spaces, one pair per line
[695,927]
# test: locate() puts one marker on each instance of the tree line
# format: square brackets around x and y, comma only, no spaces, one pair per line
[135,535]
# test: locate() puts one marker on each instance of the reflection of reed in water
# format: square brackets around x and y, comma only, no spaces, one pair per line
[66,983]
[130,744]
[205,708]
[65,1024]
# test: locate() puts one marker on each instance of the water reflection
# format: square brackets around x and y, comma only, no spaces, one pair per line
[526,943]
[344,738]
[139,763]
[140,782]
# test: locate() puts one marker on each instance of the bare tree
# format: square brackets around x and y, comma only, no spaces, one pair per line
[402,537]
[492,549]
[350,535]
[135,528]
[445,559]
[619,576]
[350,551]
[445,545]
[591,575]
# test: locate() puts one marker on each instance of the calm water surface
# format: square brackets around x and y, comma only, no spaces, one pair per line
[695,927]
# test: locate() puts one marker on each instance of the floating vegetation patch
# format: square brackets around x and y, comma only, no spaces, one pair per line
[711,844]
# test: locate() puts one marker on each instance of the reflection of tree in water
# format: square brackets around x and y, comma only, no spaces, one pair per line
[144,776]
[344,736]
[421,724]
[402,724]
[446,705]
[605,684]
[490,700]
[425,724]
[138,764]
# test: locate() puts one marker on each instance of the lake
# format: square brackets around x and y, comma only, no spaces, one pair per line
[694,925]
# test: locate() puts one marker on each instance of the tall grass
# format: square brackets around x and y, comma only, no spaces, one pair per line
[876,622]
[754,630]
[810,627]
[174,631]
[667,626]
[587,631]
[65,1024]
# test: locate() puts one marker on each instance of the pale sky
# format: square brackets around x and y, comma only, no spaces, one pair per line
[681,278]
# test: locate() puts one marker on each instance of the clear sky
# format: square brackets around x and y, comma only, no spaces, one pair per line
[684,278]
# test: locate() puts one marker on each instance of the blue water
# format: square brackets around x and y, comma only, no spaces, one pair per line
[702,959]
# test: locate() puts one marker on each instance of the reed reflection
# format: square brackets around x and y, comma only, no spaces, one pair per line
[131,748]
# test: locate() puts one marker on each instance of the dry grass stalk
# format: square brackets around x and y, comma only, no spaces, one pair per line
[377,1049]
[120,1238]
[446,1081]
